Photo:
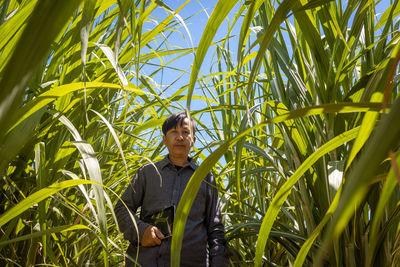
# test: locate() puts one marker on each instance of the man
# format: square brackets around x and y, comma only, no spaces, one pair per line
[160,185]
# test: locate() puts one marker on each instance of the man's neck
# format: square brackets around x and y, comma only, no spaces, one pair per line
[178,161]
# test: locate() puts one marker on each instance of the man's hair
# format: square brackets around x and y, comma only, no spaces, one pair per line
[174,121]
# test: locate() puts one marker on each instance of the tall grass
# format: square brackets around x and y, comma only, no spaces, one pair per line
[299,124]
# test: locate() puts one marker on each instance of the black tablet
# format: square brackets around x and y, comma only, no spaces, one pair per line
[163,220]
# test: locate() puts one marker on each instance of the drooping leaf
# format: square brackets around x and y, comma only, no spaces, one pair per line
[38,196]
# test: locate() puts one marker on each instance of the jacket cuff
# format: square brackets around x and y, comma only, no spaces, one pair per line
[141,227]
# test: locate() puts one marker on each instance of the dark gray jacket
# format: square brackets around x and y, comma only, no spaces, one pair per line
[160,185]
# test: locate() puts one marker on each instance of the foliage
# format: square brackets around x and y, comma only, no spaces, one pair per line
[303,129]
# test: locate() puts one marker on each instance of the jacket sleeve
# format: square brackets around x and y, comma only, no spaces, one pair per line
[125,209]
[219,254]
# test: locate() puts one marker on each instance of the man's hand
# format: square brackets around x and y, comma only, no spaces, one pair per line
[152,237]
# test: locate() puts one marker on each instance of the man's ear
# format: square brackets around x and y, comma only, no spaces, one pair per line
[164,139]
[193,140]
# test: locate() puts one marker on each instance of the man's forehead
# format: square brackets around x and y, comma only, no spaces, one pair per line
[184,123]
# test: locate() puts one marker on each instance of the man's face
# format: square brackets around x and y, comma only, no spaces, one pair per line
[179,140]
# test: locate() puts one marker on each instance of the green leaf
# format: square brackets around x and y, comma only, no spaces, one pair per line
[36,197]
[59,91]
[18,137]
[301,256]
[387,191]
[43,26]
[367,126]
[384,19]
[219,13]
[41,180]
[268,35]
[87,19]
[114,135]
[93,167]
[12,29]
[58,229]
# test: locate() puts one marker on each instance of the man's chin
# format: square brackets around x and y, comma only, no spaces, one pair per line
[180,152]
[180,148]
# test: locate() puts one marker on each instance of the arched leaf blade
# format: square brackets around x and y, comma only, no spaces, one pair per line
[219,13]
[59,91]
[93,167]
[367,126]
[301,256]
[58,229]
[46,21]
[88,13]
[37,197]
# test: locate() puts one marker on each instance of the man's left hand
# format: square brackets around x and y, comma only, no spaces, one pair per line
[152,236]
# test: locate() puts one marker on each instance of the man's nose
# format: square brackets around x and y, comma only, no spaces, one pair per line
[179,136]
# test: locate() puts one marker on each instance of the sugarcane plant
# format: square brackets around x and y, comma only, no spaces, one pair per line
[298,120]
